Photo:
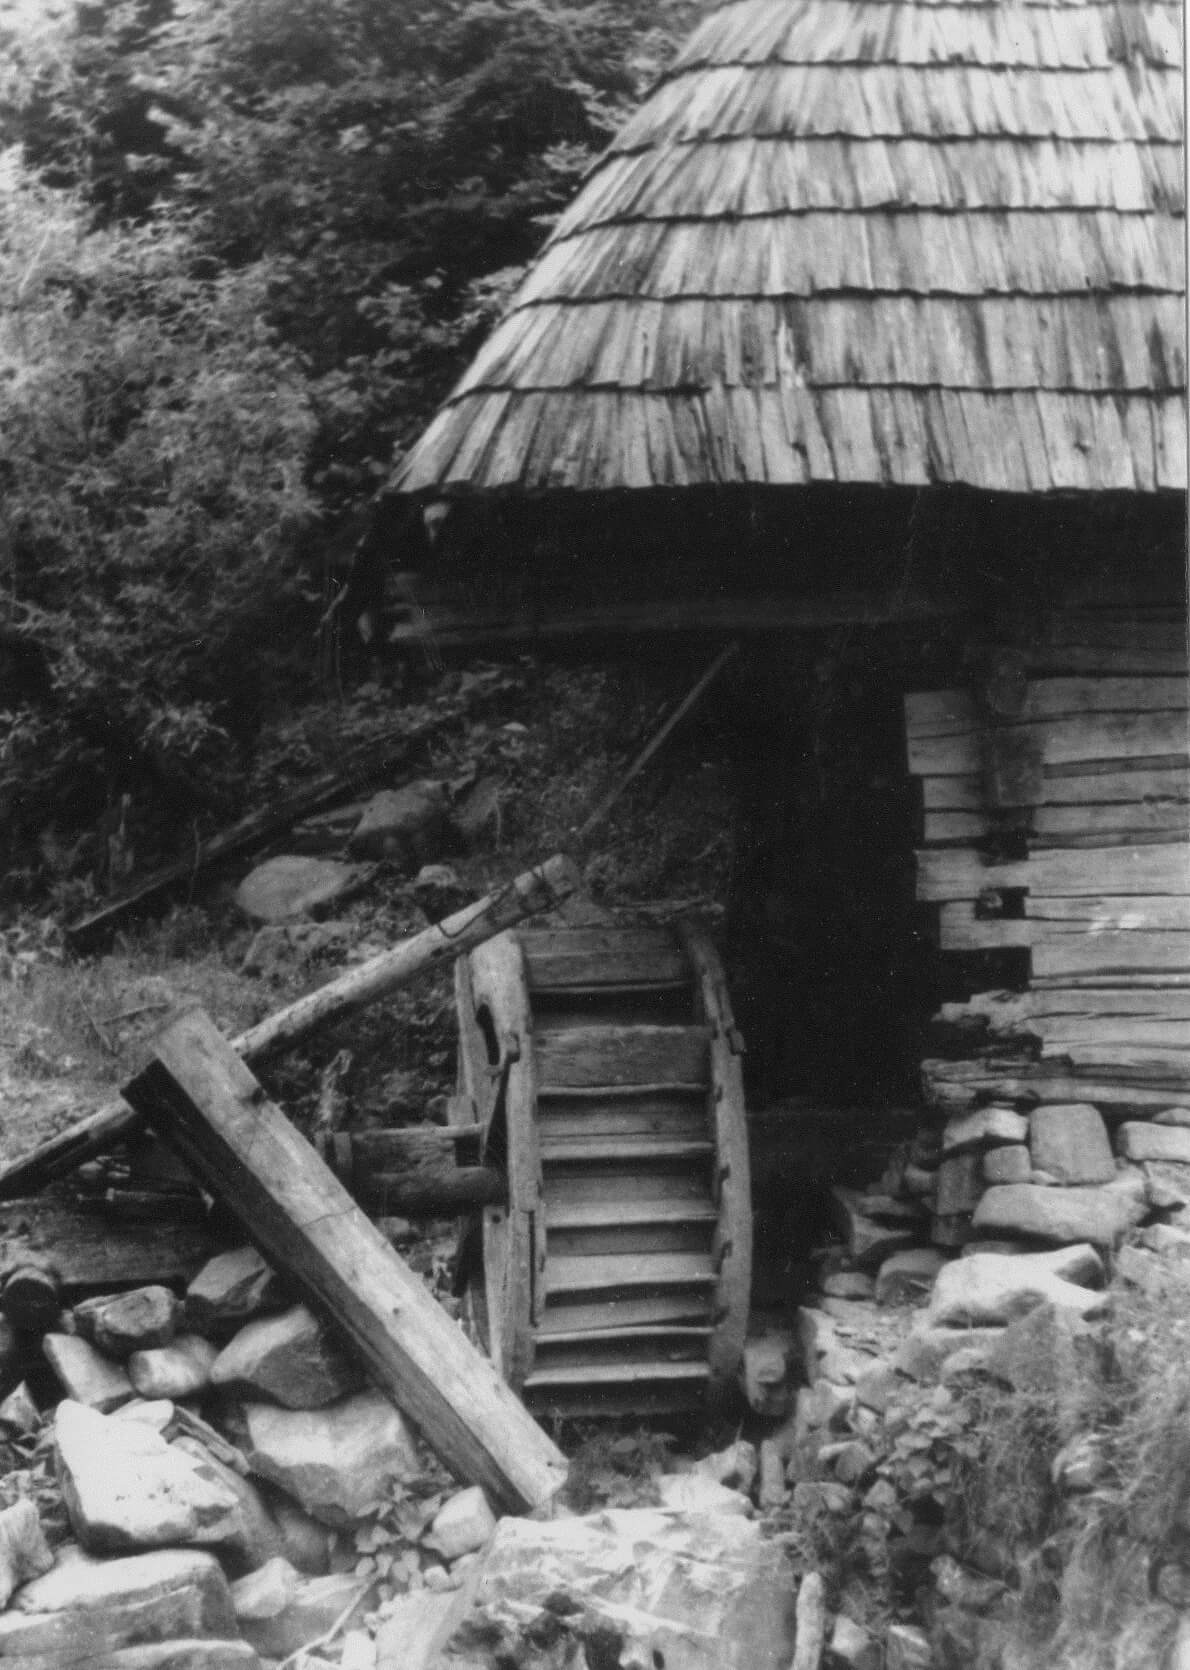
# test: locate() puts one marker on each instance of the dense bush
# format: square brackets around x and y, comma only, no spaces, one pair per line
[245,245]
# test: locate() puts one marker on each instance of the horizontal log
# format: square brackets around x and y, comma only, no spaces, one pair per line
[1112,953]
[447,1194]
[934,713]
[201,1097]
[1060,1033]
[1007,1009]
[950,1090]
[1162,868]
[1118,783]
[1142,1064]
[962,928]
[90,1249]
[1076,739]
[1052,825]
[414,1173]
[763,615]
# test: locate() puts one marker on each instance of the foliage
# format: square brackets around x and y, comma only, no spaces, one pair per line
[152,470]
[245,245]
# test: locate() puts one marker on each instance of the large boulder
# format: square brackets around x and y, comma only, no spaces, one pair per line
[126,1489]
[1102,1215]
[336,1462]
[1155,1142]
[121,1323]
[462,1524]
[925,1351]
[703,1591]
[230,1289]
[24,1552]
[85,1375]
[99,1606]
[258,1538]
[175,1371]
[292,886]
[990,1288]
[406,826]
[289,1358]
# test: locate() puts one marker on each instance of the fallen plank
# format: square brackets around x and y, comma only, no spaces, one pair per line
[246,836]
[537,889]
[90,1249]
[200,1096]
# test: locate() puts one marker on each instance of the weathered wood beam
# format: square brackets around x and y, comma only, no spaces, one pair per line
[202,1098]
[536,890]
[92,1249]
[755,616]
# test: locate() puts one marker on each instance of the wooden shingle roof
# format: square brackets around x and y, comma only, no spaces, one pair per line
[900,242]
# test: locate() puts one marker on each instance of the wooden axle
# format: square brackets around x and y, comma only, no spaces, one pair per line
[415,1173]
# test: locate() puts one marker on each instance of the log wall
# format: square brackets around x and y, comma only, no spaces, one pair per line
[1055,805]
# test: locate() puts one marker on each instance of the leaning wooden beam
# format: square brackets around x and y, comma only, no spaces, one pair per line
[201,1097]
[537,889]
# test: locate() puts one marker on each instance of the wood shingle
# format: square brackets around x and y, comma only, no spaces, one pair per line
[891,241]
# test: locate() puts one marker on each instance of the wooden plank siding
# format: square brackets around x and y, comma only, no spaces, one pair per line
[902,242]
[1086,881]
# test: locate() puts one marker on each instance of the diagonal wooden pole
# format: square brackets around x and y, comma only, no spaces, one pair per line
[537,889]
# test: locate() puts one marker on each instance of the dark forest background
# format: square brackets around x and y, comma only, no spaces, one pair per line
[245,248]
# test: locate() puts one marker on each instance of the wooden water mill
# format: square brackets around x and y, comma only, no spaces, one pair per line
[602,1068]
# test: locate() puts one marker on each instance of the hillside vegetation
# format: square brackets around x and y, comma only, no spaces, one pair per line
[245,246]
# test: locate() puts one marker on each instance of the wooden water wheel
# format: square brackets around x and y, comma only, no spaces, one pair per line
[604,1067]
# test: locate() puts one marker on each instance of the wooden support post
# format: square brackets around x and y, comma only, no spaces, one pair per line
[538,889]
[200,1096]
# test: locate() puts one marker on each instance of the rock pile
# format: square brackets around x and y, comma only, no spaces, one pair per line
[220,1463]
[902,1335]
[1052,1176]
